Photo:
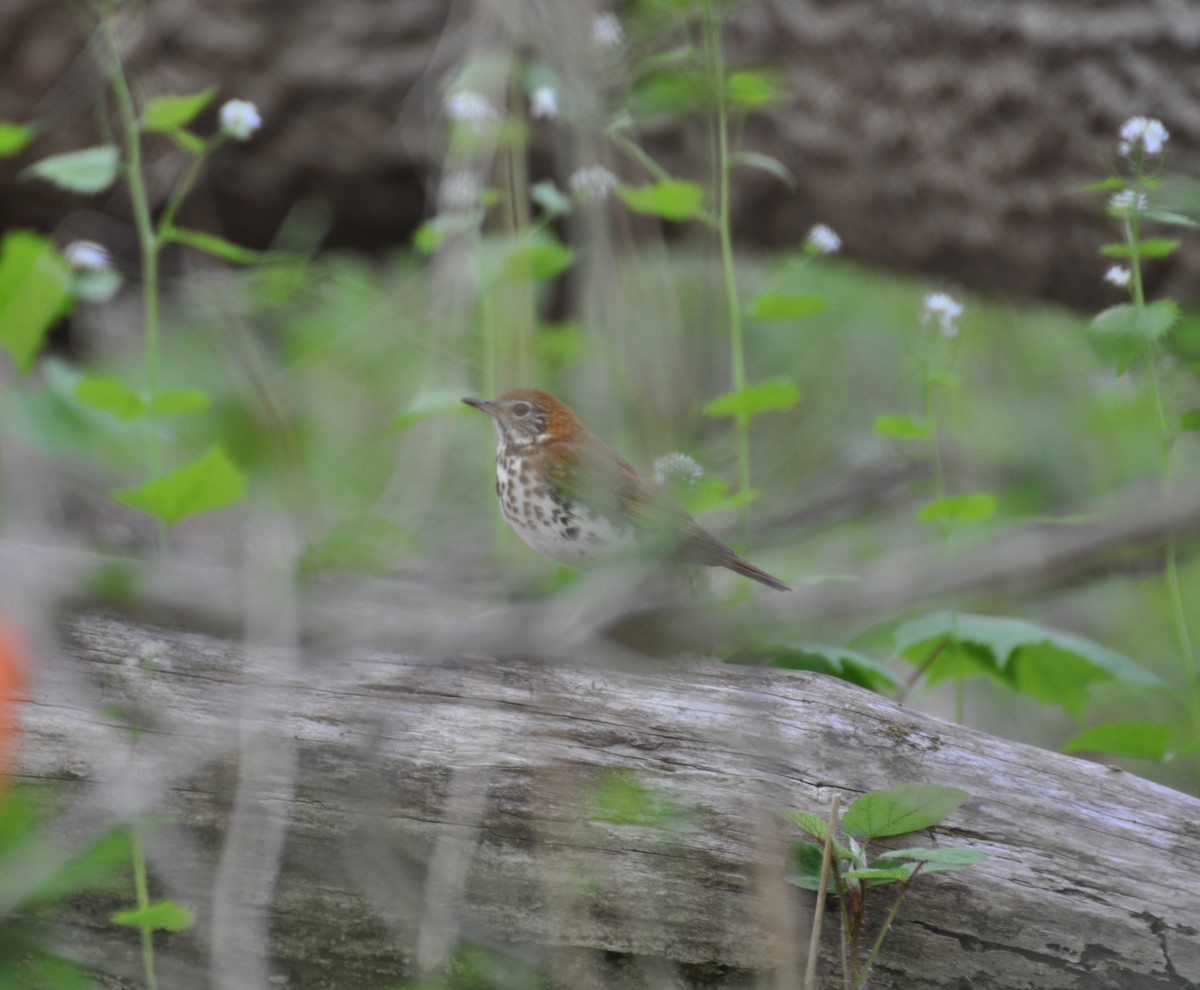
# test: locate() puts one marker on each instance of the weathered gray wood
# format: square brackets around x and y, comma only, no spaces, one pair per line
[453,796]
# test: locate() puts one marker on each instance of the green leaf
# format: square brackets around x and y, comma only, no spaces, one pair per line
[974,507]
[899,810]
[553,201]
[936,860]
[805,866]
[671,199]
[672,92]
[1121,332]
[710,494]
[538,260]
[111,395]
[769,306]
[104,865]
[903,427]
[89,171]
[1151,247]
[432,234]
[207,483]
[188,141]
[164,915]
[1171,219]
[14,137]
[1159,317]
[764,163]
[996,646]
[1144,740]
[769,396]
[834,661]
[173,401]
[166,113]
[35,291]
[748,89]
[879,874]
[1189,419]
[623,800]
[807,822]
[214,245]
[1055,675]
[1103,185]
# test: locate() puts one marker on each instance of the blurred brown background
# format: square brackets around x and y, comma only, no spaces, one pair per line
[937,137]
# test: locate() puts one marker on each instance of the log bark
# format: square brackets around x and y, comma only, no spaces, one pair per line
[351,814]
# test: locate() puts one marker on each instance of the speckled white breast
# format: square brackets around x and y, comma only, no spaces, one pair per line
[564,531]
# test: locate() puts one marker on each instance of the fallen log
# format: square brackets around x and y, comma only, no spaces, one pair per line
[350,816]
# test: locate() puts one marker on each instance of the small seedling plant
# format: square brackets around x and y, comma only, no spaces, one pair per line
[841,861]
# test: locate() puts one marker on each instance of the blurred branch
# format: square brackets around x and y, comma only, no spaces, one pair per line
[1019,561]
[434,617]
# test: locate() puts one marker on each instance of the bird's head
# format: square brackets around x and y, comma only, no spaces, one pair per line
[527,416]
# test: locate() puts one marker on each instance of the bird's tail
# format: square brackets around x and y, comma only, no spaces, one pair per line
[747,569]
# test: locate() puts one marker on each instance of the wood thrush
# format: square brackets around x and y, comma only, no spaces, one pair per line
[570,496]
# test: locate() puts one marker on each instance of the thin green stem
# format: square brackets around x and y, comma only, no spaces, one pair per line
[148,242]
[865,972]
[519,313]
[142,892]
[1150,366]
[167,219]
[737,357]
[632,149]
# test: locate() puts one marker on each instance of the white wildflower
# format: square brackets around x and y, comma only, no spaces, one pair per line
[1118,275]
[149,653]
[676,467]
[943,308]
[471,109]
[607,31]
[459,191]
[1127,203]
[1144,132]
[593,183]
[543,103]
[88,256]
[240,119]
[823,240]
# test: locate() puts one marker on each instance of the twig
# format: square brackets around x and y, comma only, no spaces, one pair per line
[814,942]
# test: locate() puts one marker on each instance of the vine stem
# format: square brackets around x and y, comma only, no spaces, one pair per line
[887,924]
[737,360]
[142,892]
[148,241]
[1170,566]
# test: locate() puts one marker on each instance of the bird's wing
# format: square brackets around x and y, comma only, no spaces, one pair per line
[593,473]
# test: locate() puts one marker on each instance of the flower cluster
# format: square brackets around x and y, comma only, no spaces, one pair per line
[676,467]
[593,183]
[87,256]
[823,240]
[1142,132]
[240,119]
[1118,275]
[943,308]
[459,191]
[1128,203]
[543,103]
[472,110]
[607,31]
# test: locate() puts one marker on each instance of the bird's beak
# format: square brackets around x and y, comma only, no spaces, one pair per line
[485,405]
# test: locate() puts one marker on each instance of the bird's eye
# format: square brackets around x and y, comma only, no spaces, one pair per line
[521,409]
